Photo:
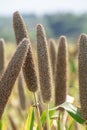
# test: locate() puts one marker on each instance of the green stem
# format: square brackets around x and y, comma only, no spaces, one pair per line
[35,99]
[86,127]
[48,118]
[63,120]
[0,125]
[37,113]
[58,121]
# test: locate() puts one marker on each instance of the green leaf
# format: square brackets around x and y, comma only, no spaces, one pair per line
[0,125]
[30,120]
[44,116]
[59,125]
[72,125]
[73,111]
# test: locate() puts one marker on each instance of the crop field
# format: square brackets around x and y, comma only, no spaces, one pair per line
[42,84]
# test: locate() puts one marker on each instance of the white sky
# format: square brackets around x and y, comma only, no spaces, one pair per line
[42,6]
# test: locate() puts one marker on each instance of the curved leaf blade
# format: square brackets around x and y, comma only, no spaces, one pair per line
[73,111]
[30,120]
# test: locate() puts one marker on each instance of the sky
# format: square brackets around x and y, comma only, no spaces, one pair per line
[7,7]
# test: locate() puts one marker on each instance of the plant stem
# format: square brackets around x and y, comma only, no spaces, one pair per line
[86,127]
[58,122]
[48,118]
[35,99]
[63,119]
[0,124]
[37,113]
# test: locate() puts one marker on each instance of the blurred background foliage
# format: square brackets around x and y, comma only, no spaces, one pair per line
[69,24]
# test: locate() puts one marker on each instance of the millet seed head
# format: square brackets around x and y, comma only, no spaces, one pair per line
[82,71]
[43,64]
[20,28]
[29,71]
[21,92]
[61,73]
[2,55]
[52,50]
[10,74]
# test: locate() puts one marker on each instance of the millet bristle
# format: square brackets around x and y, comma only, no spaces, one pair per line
[82,65]
[10,74]
[21,92]
[52,50]
[20,28]
[43,64]
[2,55]
[61,72]
[29,69]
